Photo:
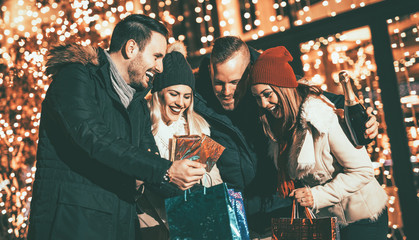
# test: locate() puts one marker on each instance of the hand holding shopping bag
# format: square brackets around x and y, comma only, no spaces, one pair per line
[312,228]
[203,214]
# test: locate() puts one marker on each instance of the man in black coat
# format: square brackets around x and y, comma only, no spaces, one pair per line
[95,136]
[226,73]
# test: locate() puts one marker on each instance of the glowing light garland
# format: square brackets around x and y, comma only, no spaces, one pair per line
[353,51]
[261,18]
[30,27]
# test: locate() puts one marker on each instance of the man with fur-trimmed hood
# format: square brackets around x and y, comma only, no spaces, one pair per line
[95,137]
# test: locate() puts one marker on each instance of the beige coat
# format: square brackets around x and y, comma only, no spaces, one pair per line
[340,176]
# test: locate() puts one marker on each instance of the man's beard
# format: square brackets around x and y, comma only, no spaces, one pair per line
[135,75]
[133,83]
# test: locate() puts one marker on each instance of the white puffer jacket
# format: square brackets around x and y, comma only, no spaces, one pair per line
[340,176]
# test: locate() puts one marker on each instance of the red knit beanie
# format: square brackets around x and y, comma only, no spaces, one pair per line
[272,68]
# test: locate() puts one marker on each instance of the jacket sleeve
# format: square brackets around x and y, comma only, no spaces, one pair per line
[235,166]
[357,170]
[167,190]
[212,178]
[71,98]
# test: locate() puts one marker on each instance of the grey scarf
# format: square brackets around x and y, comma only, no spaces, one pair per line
[124,91]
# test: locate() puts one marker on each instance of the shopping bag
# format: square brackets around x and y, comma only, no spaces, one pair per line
[236,199]
[202,214]
[309,228]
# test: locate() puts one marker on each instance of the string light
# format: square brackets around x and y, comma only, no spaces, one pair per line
[31,27]
[305,11]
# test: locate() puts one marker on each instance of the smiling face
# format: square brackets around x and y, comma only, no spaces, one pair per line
[267,99]
[174,100]
[148,62]
[226,77]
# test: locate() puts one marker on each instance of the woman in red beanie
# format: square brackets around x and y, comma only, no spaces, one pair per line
[308,145]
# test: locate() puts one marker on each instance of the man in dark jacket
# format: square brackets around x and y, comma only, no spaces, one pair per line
[226,73]
[95,135]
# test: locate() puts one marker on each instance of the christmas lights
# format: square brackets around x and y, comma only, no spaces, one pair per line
[324,57]
[30,27]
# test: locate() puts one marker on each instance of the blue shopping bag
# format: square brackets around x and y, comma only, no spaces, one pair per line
[202,214]
[236,199]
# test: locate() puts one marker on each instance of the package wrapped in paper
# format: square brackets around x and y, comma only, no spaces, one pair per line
[196,148]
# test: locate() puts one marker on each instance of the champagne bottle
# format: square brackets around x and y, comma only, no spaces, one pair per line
[355,114]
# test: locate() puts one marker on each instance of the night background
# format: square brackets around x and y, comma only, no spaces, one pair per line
[377,41]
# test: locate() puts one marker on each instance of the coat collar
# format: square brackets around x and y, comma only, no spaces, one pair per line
[61,55]
[316,116]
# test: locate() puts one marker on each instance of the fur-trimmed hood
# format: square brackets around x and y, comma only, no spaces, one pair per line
[316,115]
[70,53]
[63,54]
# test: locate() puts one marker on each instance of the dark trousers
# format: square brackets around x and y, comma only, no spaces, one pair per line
[260,224]
[367,229]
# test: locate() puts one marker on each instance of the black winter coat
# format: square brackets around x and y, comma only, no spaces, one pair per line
[88,156]
[237,164]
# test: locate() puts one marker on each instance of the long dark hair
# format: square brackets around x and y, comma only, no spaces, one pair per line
[282,130]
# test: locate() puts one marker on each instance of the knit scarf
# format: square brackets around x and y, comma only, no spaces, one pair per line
[124,91]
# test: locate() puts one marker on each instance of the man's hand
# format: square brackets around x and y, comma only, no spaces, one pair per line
[372,125]
[186,173]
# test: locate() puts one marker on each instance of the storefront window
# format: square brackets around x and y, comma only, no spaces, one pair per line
[404,42]
[352,51]
[404,37]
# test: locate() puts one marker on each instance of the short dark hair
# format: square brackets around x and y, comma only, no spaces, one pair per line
[225,47]
[137,27]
